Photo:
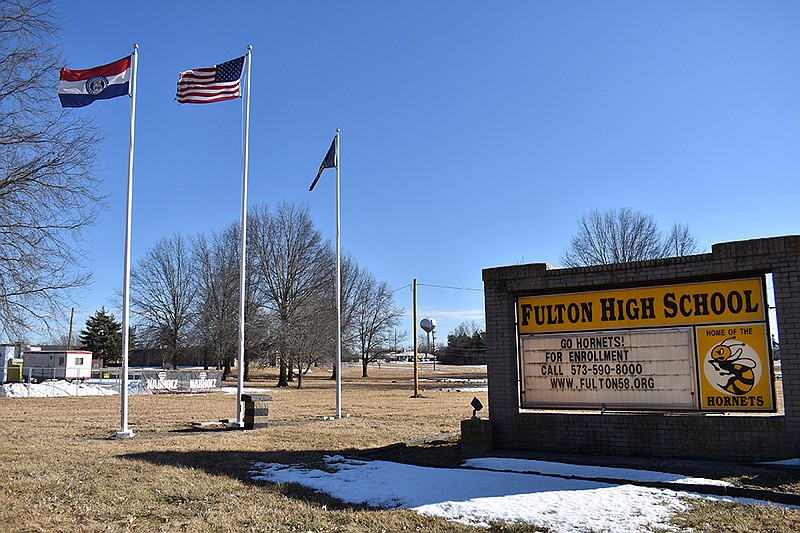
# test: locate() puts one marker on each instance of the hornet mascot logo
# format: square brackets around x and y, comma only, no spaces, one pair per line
[737,373]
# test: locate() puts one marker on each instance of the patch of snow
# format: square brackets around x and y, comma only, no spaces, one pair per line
[245,390]
[588,472]
[478,497]
[56,388]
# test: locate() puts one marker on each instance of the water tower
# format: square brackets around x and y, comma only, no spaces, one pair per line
[429,325]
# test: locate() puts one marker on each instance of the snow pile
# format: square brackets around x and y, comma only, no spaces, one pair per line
[60,388]
[480,496]
[56,388]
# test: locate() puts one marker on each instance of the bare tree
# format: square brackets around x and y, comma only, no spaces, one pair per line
[163,292]
[216,267]
[311,335]
[352,287]
[375,319]
[622,236]
[48,187]
[216,260]
[293,267]
[680,242]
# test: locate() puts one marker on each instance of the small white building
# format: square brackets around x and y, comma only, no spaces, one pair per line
[57,364]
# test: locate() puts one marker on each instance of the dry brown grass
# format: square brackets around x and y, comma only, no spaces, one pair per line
[61,471]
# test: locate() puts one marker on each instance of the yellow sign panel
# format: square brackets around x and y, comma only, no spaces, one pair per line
[715,302]
[735,368]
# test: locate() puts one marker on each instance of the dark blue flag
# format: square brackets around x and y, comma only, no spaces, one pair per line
[330,161]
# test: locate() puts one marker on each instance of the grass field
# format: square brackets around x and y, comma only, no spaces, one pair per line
[61,471]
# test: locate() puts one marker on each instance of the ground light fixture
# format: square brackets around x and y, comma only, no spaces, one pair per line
[476,406]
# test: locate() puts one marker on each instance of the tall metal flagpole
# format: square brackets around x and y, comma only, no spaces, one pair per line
[243,248]
[124,432]
[338,286]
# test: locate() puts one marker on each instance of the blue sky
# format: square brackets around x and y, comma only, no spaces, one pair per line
[474,134]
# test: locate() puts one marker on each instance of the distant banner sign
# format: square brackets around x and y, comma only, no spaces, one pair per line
[735,368]
[635,369]
[714,302]
[164,381]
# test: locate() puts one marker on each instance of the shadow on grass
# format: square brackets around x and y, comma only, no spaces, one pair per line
[238,464]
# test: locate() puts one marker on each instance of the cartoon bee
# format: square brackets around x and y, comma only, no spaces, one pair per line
[728,362]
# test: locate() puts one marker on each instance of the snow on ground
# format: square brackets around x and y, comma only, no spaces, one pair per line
[463,389]
[245,390]
[562,469]
[480,496]
[55,388]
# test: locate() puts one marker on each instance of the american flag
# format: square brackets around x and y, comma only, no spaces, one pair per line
[212,84]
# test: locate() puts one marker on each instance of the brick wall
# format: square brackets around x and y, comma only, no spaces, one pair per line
[688,435]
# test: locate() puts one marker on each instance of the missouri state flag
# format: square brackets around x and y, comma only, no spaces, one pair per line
[78,88]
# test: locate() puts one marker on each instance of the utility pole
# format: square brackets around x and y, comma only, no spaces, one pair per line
[69,337]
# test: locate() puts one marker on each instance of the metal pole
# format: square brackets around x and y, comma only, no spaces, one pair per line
[124,432]
[429,343]
[433,351]
[338,287]
[243,248]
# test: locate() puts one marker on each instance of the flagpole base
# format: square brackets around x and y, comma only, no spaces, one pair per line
[124,434]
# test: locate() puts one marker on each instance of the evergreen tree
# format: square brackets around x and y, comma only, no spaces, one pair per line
[465,345]
[103,336]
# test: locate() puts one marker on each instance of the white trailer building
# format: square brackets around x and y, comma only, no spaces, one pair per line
[57,364]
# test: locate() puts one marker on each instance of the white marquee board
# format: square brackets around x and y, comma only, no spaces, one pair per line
[637,368]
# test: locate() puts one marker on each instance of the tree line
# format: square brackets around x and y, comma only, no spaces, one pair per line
[186,293]
[185,296]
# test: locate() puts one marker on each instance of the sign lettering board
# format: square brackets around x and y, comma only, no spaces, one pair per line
[648,348]
[636,369]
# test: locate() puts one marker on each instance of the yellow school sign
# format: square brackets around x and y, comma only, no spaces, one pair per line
[722,354]
[672,305]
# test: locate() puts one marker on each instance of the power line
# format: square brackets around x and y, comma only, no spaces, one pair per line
[438,287]
[450,287]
